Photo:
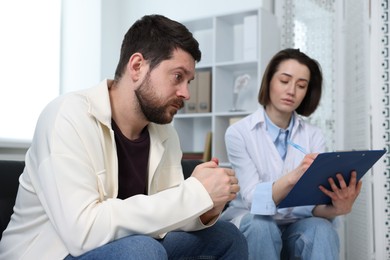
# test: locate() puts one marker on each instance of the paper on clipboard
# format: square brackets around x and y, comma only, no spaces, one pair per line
[306,191]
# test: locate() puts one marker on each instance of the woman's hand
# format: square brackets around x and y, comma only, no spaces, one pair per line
[297,173]
[343,196]
[283,186]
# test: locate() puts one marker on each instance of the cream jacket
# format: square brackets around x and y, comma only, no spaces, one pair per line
[66,203]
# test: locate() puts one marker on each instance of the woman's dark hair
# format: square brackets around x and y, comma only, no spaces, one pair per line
[156,37]
[313,94]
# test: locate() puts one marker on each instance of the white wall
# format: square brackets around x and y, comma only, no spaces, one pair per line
[29,64]
[188,10]
[80,44]
[93,31]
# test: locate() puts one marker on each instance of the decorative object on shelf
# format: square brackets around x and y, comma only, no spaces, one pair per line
[240,83]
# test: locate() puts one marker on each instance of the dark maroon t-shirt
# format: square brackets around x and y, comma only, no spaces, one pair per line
[133,157]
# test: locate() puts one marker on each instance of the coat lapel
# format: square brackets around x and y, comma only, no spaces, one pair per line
[157,150]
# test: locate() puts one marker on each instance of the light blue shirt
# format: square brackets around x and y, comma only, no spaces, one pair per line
[275,132]
[257,163]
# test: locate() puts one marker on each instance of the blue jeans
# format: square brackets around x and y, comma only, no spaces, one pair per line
[221,241]
[309,238]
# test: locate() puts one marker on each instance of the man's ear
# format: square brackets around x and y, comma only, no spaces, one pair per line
[135,65]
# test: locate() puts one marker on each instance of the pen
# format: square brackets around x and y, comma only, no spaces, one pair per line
[298,147]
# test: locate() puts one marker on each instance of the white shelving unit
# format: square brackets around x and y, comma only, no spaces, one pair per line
[222,40]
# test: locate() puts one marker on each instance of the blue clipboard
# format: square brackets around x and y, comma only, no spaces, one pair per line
[306,191]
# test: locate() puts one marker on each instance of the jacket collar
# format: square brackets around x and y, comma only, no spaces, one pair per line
[99,102]
[158,135]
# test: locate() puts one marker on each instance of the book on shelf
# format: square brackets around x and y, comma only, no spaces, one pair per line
[200,93]
[192,155]
[191,104]
[207,148]
[204,91]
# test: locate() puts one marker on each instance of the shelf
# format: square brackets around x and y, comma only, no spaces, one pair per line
[203,31]
[237,65]
[230,36]
[192,132]
[232,45]
[192,115]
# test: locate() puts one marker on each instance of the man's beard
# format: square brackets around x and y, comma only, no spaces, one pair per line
[152,107]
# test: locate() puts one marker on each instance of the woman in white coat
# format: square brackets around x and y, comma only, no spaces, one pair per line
[267,168]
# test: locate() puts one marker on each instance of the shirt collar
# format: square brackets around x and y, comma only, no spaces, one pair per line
[274,130]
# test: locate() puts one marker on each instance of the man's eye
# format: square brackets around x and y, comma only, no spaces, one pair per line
[178,77]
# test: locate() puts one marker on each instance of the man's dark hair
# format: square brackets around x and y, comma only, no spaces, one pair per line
[312,98]
[156,37]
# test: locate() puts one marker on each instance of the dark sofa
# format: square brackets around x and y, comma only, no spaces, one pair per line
[9,182]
